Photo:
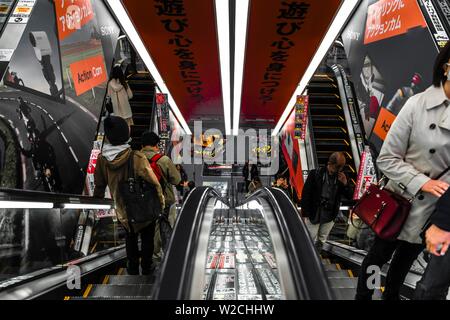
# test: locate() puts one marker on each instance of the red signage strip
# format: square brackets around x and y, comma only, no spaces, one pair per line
[388,18]
[291,152]
[275,62]
[181,38]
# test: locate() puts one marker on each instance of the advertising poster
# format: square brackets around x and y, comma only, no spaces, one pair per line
[391,53]
[55,86]
[5,9]
[301,117]
[35,65]
[162,112]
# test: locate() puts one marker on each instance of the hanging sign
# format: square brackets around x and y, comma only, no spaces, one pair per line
[301,117]
[366,174]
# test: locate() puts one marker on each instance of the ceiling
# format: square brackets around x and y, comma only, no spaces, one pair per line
[183,41]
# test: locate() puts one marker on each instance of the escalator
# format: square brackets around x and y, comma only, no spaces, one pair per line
[143,88]
[259,250]
[119,286]
[329,130]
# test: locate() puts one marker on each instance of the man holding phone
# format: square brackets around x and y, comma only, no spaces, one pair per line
[321,197]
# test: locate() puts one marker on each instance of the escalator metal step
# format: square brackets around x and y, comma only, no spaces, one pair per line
[332,142]
[344,293]
[120,290]
[343,282]
[338,273]
[128,280]
[108,298]
[349,294]
[331,267]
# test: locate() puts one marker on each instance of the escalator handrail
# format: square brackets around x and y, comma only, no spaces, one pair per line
[40,282]
[174,281]
[307,269]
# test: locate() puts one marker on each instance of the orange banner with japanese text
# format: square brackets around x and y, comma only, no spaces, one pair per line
[388,18]
[72,15]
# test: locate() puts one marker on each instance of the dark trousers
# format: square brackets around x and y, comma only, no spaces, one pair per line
[247,184]
[165,229]
[133,254]
[381,251]
[436,279]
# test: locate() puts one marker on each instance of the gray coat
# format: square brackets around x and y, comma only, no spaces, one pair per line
[417,148]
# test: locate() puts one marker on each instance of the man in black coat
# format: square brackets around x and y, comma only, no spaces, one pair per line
[436,278]
[249,172]
[321,197]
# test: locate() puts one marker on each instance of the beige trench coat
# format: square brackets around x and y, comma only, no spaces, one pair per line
[416,149]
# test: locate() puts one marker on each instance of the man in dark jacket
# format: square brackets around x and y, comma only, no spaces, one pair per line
[249,172]
[435,281]
[321,197]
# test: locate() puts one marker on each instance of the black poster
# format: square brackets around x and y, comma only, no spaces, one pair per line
[387,66]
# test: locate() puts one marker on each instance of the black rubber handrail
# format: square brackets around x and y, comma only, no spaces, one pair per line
[174,281]
[309,276]
[56,198]
[43,281]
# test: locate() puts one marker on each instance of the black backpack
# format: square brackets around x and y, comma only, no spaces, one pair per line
[139,196]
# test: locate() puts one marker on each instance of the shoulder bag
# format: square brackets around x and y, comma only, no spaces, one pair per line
[384,211]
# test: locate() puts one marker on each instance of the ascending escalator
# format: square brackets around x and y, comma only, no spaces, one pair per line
[143,88]
[329,129]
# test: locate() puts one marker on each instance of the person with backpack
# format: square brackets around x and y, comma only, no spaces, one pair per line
[112,170]
[168,177]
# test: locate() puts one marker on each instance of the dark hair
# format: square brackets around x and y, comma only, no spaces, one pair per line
[438,71]
[117,73]
[191,185]
[334,157]
[257,179]
[149,138]
[280,176]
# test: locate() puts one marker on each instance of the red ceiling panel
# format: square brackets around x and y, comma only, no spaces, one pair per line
[282,38]
[182,39]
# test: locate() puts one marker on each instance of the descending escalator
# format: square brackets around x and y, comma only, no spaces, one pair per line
[329,129]
[259,250]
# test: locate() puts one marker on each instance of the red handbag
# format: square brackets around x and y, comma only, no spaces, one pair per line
[383,211]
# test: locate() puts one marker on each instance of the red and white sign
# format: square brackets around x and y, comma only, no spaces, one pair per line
[366,174]
[72,15]
[88,73]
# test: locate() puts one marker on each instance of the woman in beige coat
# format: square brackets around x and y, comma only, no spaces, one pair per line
[416,151]
[120,93]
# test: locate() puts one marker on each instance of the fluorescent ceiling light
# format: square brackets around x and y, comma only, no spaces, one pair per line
[242,7]
[334,30]
[128,26]
[86,206]
[223,32]
[25,205]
